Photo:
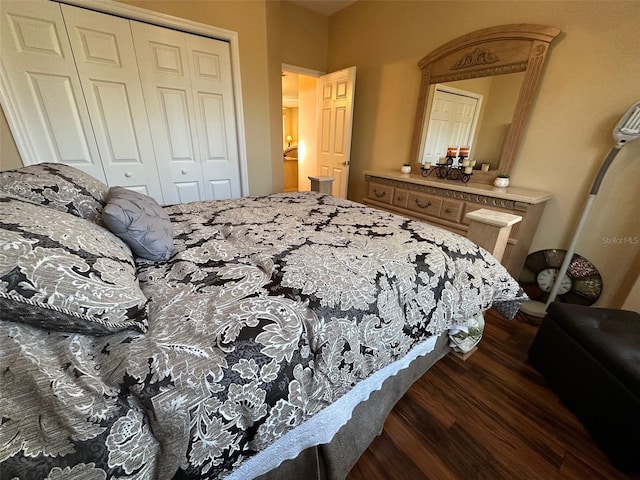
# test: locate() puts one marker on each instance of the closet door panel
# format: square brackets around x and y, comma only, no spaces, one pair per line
[164,71]
[37,60]
[212,110]
[105,58]
[210,64]
[188,191]
[220,189]
[56,105]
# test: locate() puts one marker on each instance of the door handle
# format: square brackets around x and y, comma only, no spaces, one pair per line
[345,162]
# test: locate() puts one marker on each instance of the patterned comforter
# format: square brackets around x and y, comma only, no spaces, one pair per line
[270,309]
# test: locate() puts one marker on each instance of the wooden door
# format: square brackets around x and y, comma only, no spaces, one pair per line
[187,86]
[105,58]
[43,85]
[335,95]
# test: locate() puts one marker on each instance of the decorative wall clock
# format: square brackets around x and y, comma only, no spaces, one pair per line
[582,284]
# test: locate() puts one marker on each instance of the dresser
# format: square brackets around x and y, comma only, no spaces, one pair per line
[445,203]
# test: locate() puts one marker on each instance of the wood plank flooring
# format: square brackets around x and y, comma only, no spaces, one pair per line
[489,417]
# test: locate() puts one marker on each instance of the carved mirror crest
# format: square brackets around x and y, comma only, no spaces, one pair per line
[489,52]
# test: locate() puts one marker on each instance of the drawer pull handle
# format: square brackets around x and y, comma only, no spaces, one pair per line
[378,194]
[448,210]
[422,205]
[127,174]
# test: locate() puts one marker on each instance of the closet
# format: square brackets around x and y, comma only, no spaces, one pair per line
[133,104]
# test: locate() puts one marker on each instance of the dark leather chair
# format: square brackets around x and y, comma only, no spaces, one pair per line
[591,358]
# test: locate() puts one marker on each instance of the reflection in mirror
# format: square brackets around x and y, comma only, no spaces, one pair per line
[475,112]
[491,55]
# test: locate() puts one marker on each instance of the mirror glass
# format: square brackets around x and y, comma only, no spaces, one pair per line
[455,121]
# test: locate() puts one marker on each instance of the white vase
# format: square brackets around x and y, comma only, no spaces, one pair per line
[501,182]
[405,169]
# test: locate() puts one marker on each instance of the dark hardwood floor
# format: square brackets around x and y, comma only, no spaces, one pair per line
[489,417]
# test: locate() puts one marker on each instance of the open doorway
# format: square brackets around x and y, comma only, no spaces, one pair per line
[299,127]
[317,121]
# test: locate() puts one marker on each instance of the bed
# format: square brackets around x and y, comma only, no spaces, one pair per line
[262,337]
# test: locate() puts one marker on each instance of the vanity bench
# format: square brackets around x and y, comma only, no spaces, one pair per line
[446,203]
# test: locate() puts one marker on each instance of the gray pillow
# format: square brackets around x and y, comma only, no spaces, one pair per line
[61,272]
[140,222]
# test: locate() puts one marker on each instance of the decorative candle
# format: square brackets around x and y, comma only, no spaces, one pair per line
[473,163]
[427,165]
[468,169]
[442,161]
[485,167]
[464,151]
[465,163]
[452,150]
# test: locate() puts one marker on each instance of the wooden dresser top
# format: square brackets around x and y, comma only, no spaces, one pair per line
[509,193]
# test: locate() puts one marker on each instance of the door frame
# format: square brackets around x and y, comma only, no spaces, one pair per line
[302,70]
[286,67]
[20,130]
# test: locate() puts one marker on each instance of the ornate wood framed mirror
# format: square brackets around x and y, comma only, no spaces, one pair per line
[499,50]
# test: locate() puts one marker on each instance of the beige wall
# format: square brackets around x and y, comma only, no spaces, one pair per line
[591,78]
[304,37]
[9,156]
[274,72]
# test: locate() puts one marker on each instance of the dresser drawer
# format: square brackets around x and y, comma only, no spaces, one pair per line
[423,203]
[381,193]
[451,210]
[400,197]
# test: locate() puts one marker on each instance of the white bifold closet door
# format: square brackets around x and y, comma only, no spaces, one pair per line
[189,95]
[106,61]
[133,104]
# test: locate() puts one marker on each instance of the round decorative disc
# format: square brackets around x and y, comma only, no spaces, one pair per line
[582,284]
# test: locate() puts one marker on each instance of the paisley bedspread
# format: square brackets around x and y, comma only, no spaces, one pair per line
[270,309]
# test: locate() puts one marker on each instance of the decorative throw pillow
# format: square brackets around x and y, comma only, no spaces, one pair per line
[58,186]
[140,222]
[61,272]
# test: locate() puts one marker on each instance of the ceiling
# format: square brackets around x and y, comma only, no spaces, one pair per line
[325,7]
